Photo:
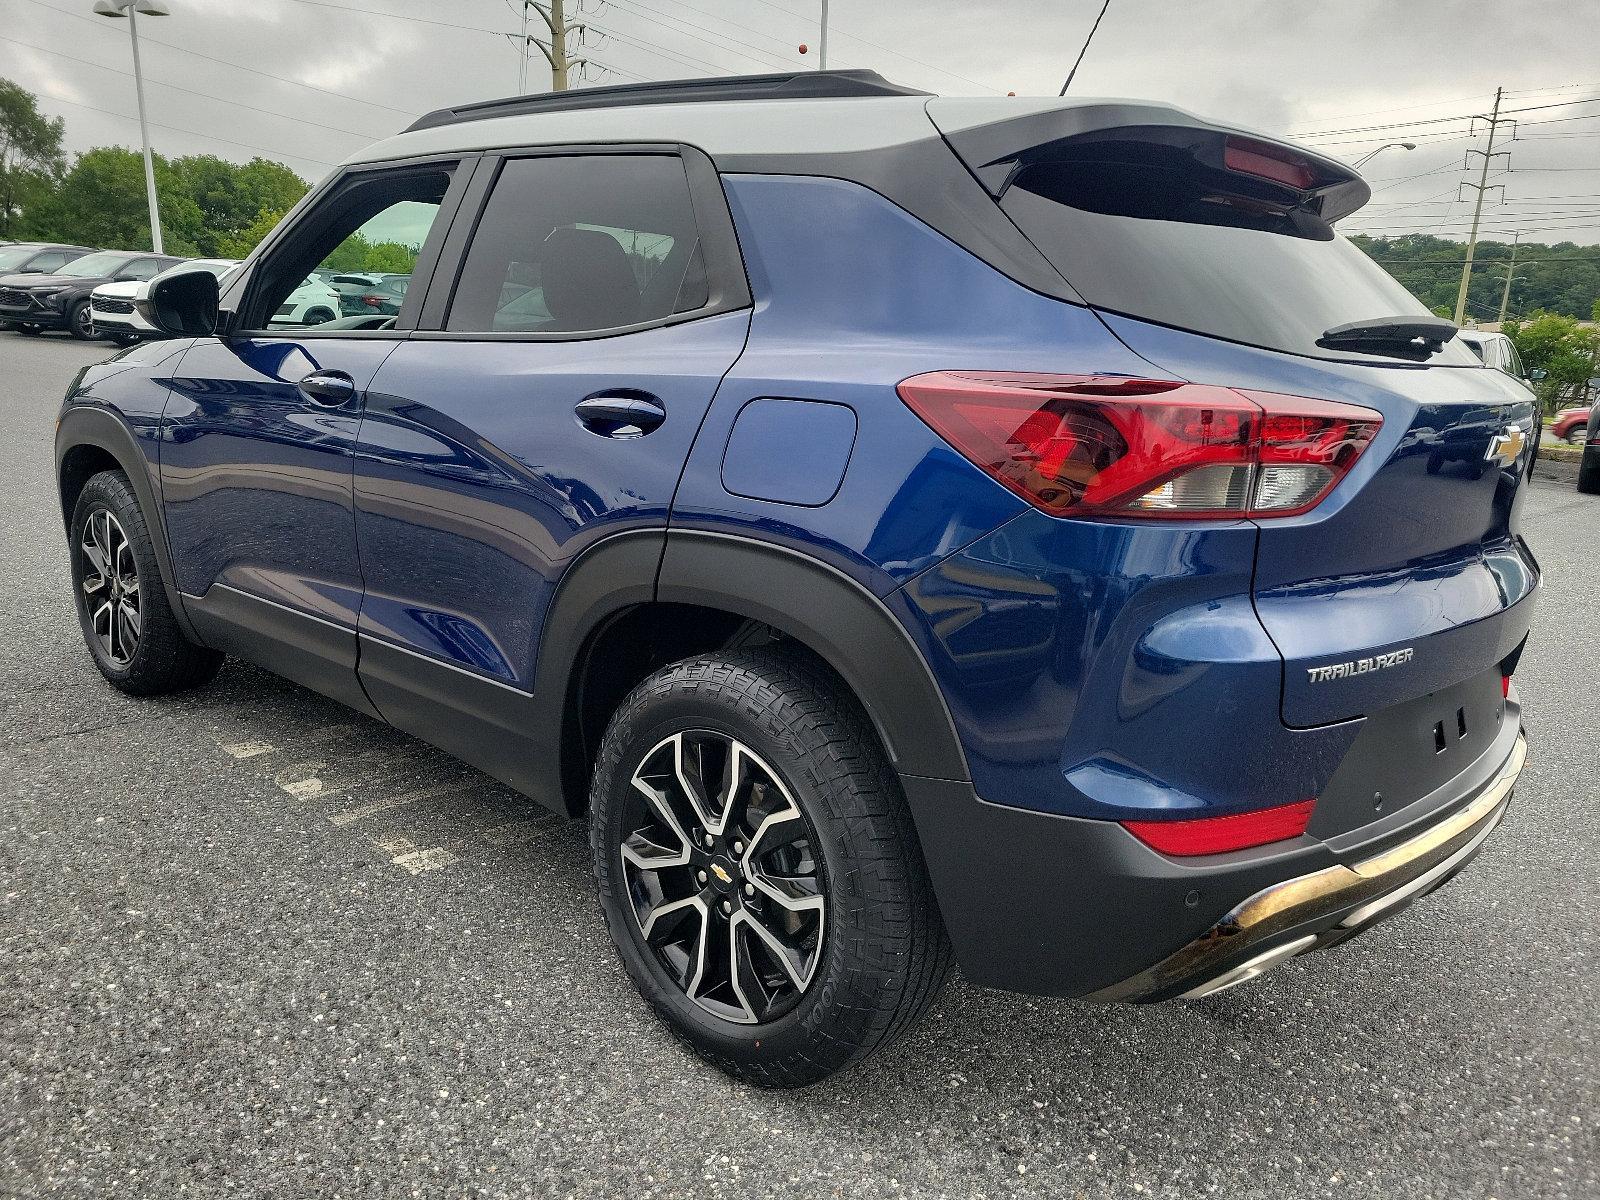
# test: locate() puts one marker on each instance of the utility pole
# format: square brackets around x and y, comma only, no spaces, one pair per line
[1480,187]
[822,41]
[1505,295]
[554,14]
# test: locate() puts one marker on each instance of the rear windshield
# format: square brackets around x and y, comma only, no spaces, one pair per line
[1132,245]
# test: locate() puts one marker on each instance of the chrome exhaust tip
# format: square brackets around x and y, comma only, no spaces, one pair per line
[1250,968]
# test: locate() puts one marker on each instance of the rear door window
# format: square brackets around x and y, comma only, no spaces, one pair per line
[573,244]
[52,259]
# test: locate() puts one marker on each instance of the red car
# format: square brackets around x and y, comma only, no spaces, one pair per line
[1571,425]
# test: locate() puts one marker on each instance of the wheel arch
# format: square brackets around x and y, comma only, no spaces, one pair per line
[607,630]
[91,440]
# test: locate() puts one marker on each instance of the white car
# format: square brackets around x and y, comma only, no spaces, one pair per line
[112,310]
[312,303]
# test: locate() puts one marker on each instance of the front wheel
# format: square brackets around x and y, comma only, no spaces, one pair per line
[81,321]
[30,330]
[758,870]
[319,316]
[123,611]
[1576,436]
[1589,475]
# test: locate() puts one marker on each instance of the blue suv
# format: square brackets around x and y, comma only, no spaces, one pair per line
[1012,533]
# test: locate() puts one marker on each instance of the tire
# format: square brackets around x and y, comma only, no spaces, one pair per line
[79,321]
[147,654]
[124,339]
[820,813]
[29,330]
[1589,474]
[1576,436]
[318,316]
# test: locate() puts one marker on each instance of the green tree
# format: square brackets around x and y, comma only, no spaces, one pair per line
[101,202]
[1560,277]
[30,154]
[390,258]
[1556,344]
[239,243]
[232,198]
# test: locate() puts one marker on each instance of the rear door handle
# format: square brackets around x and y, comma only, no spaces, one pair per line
[620,416]
[330,389]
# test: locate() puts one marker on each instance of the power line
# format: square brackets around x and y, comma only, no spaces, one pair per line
[365,137]
[146,39]
[111,112]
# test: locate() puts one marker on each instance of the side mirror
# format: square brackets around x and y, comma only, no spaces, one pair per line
[1537,374]
[183,304]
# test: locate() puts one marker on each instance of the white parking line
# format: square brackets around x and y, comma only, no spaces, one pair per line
[249,749]
[351,815]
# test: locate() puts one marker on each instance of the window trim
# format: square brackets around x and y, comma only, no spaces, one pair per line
[727,285]
[463,168]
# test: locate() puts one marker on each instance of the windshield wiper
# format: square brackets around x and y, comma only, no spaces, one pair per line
[1410,337]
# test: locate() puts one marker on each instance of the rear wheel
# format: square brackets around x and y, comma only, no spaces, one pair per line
[319,316]
[758,869]
[29,330]
[122,606]
[1576,436]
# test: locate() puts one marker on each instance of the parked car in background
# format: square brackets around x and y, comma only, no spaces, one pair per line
[314,302]
[842,534]
[35,303]
[1496,350]
[112,309]
[35,258]
[1571,425]
[386,296]
[350,284]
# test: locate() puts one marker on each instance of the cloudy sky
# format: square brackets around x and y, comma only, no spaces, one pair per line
[309,81]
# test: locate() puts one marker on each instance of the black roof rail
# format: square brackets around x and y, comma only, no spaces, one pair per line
[799,85]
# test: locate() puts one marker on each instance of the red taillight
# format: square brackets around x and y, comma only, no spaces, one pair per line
[1105,446]
[1505,687]
[1214,835]
[372,301]
[1266,161]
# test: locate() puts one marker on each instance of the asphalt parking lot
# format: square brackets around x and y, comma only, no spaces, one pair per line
[254,944]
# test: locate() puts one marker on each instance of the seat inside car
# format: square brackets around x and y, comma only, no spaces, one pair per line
[588,281]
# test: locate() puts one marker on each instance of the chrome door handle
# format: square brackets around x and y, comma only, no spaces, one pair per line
[329,389]
[620,415]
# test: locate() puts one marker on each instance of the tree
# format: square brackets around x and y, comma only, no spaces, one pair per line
[1556,344]
[232,198]
[240,243]
[391,258]
[101,202]
[1557,278]
[30,153]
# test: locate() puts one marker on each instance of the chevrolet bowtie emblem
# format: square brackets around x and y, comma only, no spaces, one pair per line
[721,873]
[1506,447]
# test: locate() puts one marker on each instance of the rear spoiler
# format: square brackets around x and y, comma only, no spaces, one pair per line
[1251,166]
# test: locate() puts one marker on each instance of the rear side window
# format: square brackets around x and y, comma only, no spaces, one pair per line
[1137,238]
[52,259]
[582,244]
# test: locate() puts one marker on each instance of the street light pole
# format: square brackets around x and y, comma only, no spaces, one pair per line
[822,41]
[1370,154]
[131,9]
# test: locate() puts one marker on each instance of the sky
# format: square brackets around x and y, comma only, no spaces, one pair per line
[308,82]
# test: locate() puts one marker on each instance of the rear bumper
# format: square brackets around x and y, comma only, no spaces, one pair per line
[1067,906]
[1325,907]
